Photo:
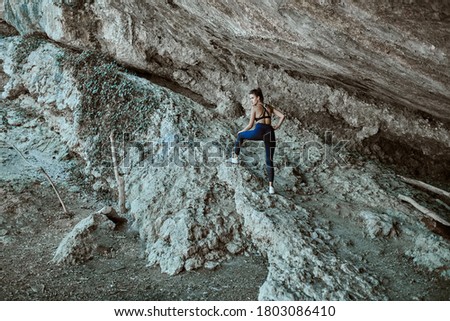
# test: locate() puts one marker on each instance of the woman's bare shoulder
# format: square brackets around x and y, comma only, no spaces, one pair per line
[259,107]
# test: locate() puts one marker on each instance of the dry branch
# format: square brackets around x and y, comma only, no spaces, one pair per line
[425,186]
[119,178]
[424,210]
[443,204]
[46,175]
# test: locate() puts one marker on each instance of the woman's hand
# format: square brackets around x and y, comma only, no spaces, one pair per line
[280,121]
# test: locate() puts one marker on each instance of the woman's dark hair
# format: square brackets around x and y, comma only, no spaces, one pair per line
[258,93]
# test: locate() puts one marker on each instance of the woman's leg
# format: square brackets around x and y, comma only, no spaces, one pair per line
[255,134]
[269,144]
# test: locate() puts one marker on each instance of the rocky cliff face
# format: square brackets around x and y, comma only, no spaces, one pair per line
[193,210]
[397,53]
[336,219]
[378,69]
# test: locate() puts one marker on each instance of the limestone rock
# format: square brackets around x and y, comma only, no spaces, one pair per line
[309,56]
[376,224]
[210,265]
[432,253]
[80,244]
[193,263]
[190,209]
[295,263]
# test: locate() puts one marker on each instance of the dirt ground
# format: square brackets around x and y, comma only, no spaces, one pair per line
[33,224]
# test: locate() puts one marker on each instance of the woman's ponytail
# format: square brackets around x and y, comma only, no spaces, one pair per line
[258,93]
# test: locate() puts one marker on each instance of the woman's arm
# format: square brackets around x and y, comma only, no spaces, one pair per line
[280,116]
[250,123]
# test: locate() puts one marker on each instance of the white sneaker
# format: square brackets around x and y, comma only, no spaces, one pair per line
[271,190]
[234,160]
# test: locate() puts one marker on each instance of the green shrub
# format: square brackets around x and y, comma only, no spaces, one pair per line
[26,46]
[109,100]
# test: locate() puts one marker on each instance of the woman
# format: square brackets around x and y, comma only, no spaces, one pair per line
[261,114]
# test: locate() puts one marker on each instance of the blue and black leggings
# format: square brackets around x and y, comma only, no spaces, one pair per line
[261,132]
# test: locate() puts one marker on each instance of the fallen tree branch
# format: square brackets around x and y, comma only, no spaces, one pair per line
[424,210]
[425,186]
[443,204]
[119,178]
[46,175]
[54,188]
